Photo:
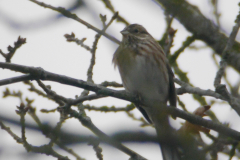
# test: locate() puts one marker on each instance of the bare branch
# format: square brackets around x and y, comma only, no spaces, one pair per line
[221,93]
[75,17]
[39,73]
[12,50]
[111,84]
[203,122]
[46,149]
[220,88]
[110,109]
[94,48]
[18,139]
[87,123]
[15,79]
[87,98]
[71,38]
[187,88]
[225,53]
[185,44]
[52,133]
[59,99]
[215,12]
[111,8]
[95,143]
[44,75]
[202,28]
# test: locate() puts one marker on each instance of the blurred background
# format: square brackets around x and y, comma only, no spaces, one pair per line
[46,47]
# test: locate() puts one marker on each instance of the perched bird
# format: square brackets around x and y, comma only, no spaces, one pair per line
[145,71]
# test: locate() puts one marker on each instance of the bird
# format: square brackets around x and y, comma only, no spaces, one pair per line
[146,72]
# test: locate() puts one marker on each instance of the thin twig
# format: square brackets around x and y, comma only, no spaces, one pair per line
[59,99]
[94,48]
[71,38]
[98,150]
[187,88]
[111,8]
[185,44]
[68,14]
[86,98]
[87,123]
[8,56]
[69,151]
[215,12]
[46,149]
[223,62]
[18,94]
[51,132]
[18,139]
[110,109]
[220,88]
[168,34]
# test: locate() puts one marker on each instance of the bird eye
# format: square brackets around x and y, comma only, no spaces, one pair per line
[135,31]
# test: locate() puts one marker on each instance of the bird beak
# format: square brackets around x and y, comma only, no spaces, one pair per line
[124,32]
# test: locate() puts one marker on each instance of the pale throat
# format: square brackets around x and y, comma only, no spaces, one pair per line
[132,41]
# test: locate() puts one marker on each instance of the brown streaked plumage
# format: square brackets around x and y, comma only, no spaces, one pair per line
[145,71]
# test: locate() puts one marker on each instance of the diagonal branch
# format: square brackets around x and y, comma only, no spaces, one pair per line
[111,8]
[225,54]
[68,14]
[202,28]
[221,93]
[187,88]
[39,73]
[87,123]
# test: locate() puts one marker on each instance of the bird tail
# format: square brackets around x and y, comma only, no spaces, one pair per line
[169,152]
[168,142]
[166,135]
